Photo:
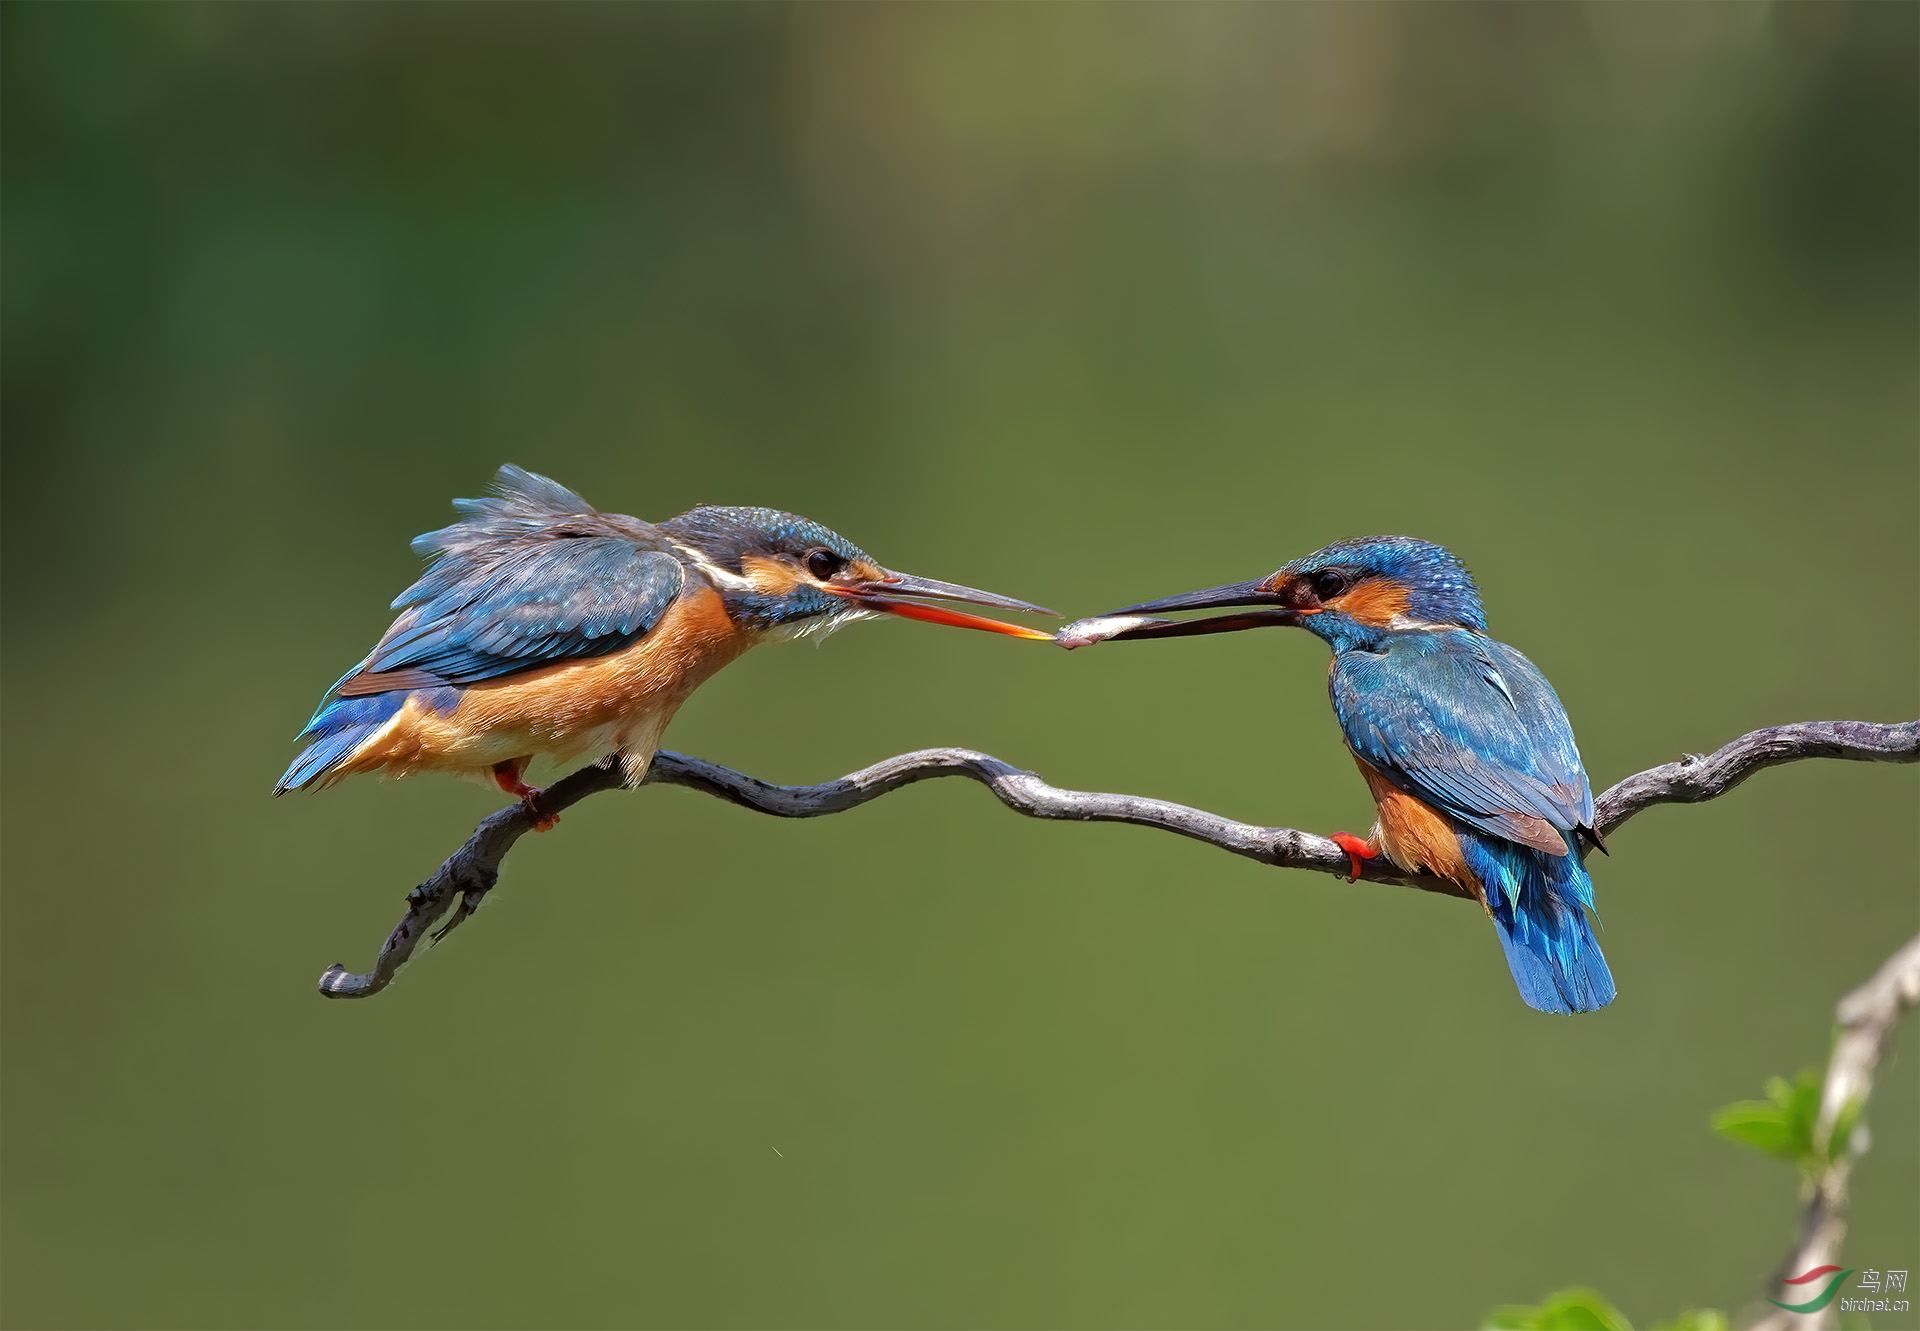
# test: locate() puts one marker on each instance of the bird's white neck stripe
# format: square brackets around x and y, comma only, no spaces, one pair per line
[720,577]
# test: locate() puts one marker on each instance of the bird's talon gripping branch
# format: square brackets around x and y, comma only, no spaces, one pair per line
[507,777]
[1358,851]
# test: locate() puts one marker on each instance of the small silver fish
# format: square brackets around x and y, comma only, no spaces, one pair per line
[1099,628]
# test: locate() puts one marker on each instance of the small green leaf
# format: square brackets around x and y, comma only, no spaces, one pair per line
[1762,1125]
[1783,1124]
[1806,1105]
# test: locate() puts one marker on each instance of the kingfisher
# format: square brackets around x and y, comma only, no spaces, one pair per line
[1462,742]
[543,627]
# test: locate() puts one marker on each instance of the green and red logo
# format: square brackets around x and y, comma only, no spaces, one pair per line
[1833,1275]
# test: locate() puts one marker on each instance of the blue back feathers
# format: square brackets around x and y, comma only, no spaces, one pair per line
[530,576]
[1469,726]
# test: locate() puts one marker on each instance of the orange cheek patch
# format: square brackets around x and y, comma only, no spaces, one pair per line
[1374,602]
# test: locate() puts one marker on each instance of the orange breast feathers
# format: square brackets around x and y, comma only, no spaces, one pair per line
[622,700]
[1416,837]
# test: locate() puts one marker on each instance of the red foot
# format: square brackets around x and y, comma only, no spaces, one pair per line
[1358,852]
[507,776]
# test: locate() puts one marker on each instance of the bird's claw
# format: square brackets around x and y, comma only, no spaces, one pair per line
[1358,852]
[541,822]
[469,903]
[507,776]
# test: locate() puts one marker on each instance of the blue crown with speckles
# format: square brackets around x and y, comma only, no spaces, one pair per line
[1439,588]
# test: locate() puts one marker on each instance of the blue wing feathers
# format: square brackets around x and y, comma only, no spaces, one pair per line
[530,576]
[1467,725]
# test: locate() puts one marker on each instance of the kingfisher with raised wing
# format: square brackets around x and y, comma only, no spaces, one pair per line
[543,627]
[1464,745]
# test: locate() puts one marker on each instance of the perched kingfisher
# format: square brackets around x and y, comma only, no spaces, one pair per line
[1462,742]
[543,627]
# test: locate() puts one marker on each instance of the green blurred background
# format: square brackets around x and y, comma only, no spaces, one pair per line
[1084,303]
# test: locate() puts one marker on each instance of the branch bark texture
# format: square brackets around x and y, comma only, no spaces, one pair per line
[471,871]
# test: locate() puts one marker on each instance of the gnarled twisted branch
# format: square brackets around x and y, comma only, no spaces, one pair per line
[472,870]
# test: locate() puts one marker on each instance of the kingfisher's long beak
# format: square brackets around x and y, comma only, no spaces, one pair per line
[902,594]
[1135,621]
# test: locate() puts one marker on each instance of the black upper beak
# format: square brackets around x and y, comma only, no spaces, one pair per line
[1115,625]
[1234,593]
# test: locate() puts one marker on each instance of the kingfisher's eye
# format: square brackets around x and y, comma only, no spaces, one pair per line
[1329,583]
[823,564]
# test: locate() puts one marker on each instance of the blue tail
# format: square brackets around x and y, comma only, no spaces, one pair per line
[337,729]
[1540,906]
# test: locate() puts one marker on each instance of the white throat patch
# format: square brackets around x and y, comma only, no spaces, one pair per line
[817,626]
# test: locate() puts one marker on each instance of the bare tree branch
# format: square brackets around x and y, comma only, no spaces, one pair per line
[1865,1020]
[471,871]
